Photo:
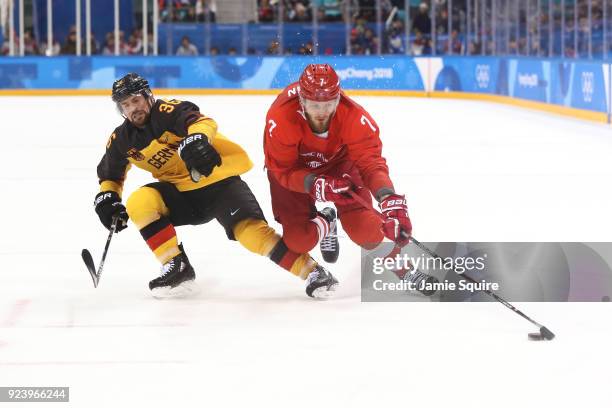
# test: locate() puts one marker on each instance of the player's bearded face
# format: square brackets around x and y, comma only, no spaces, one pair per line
[136,109]
[319,113]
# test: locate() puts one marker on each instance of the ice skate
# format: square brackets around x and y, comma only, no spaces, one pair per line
[177,279]
[320,284]
[329,245]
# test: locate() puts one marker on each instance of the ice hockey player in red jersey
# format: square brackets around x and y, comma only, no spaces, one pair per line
[321,146]
[198,179]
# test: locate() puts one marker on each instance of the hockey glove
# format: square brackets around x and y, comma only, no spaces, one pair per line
[396,224]
[325,188]
[108,204]
[198,154]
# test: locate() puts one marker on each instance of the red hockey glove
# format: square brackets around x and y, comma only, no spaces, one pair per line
[395,219]
[325,188]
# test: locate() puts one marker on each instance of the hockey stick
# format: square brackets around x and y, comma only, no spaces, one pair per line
[87,258]
[544,333]
[411,274]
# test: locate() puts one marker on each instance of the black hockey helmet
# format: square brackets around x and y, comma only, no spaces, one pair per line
[129,85]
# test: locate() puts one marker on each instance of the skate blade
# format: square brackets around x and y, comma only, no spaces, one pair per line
[184,290]
[325,292]
[328,258]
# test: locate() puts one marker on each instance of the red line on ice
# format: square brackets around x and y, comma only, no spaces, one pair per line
[14,315]
[16,312]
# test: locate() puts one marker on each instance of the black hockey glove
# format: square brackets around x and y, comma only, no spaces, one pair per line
[199,155]
[108,204]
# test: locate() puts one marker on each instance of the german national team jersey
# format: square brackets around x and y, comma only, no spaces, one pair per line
[293,151]
[154,148]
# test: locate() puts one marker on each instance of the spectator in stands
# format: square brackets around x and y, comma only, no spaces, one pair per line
[266,12]
[190,17]
[181,10]
[206,10]
[134,45]
[442,21]
[475,47]
[395,38]
[30,46]
[298,12]
[420,44]
[187,10]
[513,46]
[70,46]
[363,40]
[306,49]
[186,48]
[370,44]
[167,9]
[331,9]
[214,51]
[109,44]
[273,48]
[357,37]
[421,21]
[456,44]
[232,51]
[367,10]
[309,47]
[6,46]
[320,14]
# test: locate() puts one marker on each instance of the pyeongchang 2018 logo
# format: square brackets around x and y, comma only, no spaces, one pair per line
[483,76]
[588,86]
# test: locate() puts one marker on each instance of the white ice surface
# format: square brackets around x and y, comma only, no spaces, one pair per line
[471,172]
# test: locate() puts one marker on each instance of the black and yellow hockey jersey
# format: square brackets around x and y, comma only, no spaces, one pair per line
[154,148]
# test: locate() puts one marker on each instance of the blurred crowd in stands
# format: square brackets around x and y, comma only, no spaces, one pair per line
[400,30]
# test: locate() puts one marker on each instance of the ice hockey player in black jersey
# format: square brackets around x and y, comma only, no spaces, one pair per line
[198,179]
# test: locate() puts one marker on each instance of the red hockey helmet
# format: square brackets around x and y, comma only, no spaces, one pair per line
[319,82]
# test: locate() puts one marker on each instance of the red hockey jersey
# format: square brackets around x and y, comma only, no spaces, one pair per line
[293,151]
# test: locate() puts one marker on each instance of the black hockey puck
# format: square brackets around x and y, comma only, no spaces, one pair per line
[544,334]
[535,337]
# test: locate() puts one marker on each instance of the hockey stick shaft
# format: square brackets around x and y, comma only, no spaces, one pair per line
[108,241]
[487,291]
[435,255]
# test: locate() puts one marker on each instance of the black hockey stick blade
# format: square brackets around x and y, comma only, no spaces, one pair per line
[547,334]
[87,258]
[91,267]
[543,334]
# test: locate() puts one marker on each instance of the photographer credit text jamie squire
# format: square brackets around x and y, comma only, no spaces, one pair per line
[426,264]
